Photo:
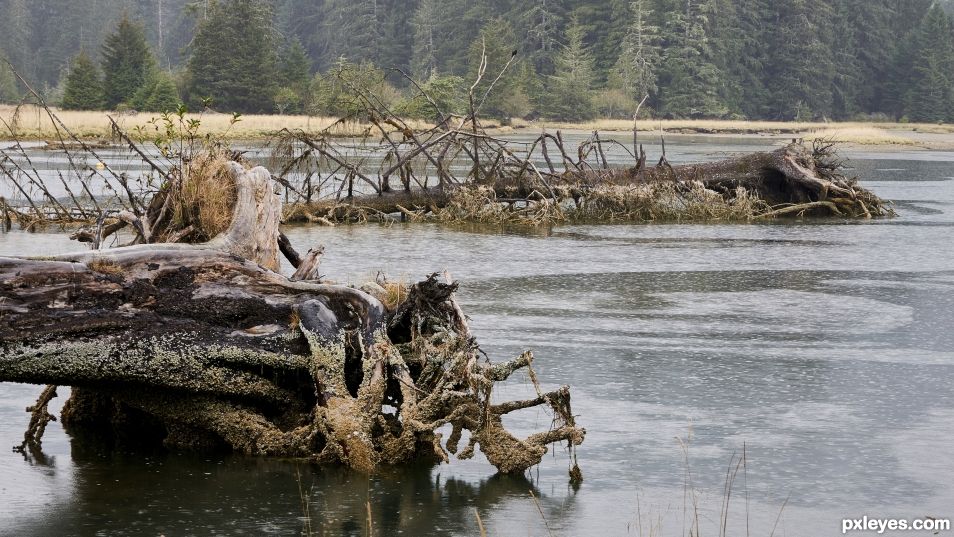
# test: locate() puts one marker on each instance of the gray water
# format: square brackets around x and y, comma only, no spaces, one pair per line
[823,349]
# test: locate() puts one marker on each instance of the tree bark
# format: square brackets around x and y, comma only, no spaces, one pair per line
[219,349]
[794,176]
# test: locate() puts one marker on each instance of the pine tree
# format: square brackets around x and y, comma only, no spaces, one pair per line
[690,76]
[931,94]
[604,24]
[799,69]
[158,94]
[126,63]
[84,87]
[294,66]
[428,23]
[569,90]
[635,70]
[543,20]
[16,28]
[8,83]
[737,32]
[508,97]
[233,57]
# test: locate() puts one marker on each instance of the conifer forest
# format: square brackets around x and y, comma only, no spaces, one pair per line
[573,60]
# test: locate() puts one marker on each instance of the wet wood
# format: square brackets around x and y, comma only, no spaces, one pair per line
[218,349]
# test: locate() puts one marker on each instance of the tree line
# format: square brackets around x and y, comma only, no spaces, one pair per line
[568,59]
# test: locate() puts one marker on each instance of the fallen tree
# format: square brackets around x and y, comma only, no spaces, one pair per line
[795,180]
[206,345]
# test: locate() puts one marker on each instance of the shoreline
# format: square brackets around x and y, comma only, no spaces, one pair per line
[33,125]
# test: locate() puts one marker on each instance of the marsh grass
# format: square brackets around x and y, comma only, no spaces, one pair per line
[718,126]
[864,135]
[33,124]
[104,266]
[206,195]
[650,202]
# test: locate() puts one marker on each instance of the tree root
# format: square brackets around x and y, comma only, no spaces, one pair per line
[203,346]
[39,418]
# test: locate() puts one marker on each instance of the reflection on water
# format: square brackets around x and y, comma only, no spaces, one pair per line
[823,349]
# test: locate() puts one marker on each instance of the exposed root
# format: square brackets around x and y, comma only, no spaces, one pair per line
[39,418]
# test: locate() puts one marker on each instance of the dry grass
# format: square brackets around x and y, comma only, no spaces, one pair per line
[713,126]
[206,196]
[859,135]
[652,202]
[33,123]
[667,202]
[104,266]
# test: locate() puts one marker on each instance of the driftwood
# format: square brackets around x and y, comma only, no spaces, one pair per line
[207,346]
[796,180]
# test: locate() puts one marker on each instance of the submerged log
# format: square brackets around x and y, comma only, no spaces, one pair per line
[209,346]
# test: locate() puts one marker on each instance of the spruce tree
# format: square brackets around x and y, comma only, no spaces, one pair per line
[569,89]
[799,69]
[604,24]
[508,97]
[158,94]
[427,25]
[931,94]
[294,66]
[635,70]
[233,57]
[84,87]
[126,63]
[691,76]
[8,82]
[543,20]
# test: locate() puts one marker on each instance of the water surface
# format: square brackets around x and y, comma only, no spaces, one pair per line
[821,348]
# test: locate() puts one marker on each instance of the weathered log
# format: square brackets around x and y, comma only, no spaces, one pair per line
[795,179]
[216,348]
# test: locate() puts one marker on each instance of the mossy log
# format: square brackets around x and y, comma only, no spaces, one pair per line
[207,345]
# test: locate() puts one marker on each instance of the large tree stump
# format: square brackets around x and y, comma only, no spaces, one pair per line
[215,348]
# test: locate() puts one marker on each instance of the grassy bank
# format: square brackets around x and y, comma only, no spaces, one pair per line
[33,124]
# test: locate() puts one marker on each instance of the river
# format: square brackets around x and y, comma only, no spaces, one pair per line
[823,350]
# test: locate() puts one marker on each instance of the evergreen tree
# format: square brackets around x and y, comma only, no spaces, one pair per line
[428,22]
[776,59]
[931,94]
[691,76]
[799,69]
[737,29]
[126,63]
[604,24]
[543,20]
[16,27]
[84,87]
[635,70]
[233,57]
[8,83]
[294,66]
[508,98]
[158,94]
[570,88]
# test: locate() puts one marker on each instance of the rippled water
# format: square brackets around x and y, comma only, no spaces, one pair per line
[823,349]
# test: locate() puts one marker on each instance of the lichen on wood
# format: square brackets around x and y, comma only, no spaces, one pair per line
[211,347]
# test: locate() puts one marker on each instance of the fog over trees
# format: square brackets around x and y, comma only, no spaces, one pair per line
[575,59]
